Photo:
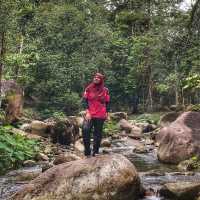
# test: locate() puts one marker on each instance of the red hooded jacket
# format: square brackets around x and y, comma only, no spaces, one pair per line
[97,97]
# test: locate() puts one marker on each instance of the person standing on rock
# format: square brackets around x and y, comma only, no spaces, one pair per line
[96,101]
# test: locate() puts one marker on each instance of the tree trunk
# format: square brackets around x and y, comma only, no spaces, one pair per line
[21,45]
[2,54]
[176,87]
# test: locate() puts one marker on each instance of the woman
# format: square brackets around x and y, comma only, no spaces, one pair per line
[96,102]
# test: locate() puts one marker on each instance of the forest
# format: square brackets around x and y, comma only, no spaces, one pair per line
[149,143]
[148,50]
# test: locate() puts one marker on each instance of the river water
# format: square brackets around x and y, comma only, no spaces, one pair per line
[153,174]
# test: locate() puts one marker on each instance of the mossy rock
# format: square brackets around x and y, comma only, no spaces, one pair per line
[193,108]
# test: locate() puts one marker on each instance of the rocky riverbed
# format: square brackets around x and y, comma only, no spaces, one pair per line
[158,181]
[152,173]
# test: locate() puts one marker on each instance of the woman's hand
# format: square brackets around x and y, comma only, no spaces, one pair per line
[87,116]
[107,117]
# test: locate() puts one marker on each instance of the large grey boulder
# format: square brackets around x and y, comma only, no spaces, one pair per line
[180,140]
[168,118]
[117,116]
[105,177]
[181,190]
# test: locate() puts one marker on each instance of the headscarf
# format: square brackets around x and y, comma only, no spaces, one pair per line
[97,90]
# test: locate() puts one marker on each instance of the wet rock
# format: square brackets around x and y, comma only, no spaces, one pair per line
[115,136]
[149,128]
[134,143]
[146,127]
[177,108]
[133,136]
[153,173]
[78,120]
[182,173]
[140,149]
[125,125]
[45,165]
[55,150]
[42,157]
[97,178]
[186,165]
[25,127]
[29,163]
[168,118]
[24,174]
[181,190]
[155,133]
[149,192]
[180,140]
[63,158]
[136,131]
[117,116]
[106,143]
[65,131]
[148,141]
[48,149]
[39,128]
[130,128]
[79,146]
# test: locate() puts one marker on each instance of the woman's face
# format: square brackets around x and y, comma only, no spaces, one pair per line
[96,80]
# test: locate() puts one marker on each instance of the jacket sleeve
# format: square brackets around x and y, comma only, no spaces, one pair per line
[108,106]
[85,103]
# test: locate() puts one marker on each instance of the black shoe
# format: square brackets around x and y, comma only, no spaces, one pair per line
[95,154]
[88,156]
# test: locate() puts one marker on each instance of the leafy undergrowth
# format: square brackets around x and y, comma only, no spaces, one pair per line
[195,162]
[14,149]
[152,118]
[195,107]
[110,128]
[2,116]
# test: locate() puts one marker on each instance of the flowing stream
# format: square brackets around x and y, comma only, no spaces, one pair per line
[153,174]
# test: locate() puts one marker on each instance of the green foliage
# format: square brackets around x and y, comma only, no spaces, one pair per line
[145,48]
[152,118]
[195,162]
[31,113]
[2,116]
[194,108]
[14,149]
[110,128]
[192,82]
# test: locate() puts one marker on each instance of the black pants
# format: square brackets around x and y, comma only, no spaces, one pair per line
[97,124]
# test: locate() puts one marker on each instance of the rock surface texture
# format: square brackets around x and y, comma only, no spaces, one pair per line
[105,177]
[180,140]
